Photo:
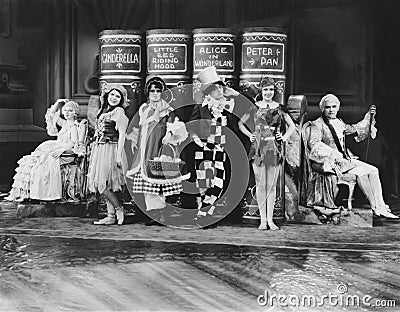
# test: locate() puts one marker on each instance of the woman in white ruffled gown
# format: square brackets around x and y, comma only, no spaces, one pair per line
[38,175]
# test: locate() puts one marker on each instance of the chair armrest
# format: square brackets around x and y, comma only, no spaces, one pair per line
[82,131]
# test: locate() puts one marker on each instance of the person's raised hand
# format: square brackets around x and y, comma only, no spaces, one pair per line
[372,110]
[58,104]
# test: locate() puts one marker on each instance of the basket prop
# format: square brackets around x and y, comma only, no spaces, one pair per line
[165,166]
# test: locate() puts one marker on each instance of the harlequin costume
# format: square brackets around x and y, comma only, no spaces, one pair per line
[211,164]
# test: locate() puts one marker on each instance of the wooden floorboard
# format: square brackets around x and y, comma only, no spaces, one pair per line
[155,286]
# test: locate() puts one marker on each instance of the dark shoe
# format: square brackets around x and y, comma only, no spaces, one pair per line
[153,223]
[204,222]
[210,226]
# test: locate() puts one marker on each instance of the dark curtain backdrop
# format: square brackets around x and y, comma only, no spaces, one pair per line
[116,14]
[189,14]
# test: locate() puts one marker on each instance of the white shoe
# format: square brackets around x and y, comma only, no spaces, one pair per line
[119,212]
[109,220]
[385,212]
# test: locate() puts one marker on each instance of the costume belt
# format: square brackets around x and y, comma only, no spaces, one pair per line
[107,139]
[265,127]
[267,138]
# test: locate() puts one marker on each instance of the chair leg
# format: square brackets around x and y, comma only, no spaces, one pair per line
[350,199]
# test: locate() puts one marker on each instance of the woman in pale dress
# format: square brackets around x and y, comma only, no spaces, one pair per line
[38,175]
[106,174]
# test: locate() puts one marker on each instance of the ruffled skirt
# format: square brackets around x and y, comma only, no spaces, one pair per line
[22,178]
[38,175]
[103,171]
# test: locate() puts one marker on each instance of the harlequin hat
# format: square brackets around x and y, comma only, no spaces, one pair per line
[151,79]
[107,87]
[207,77]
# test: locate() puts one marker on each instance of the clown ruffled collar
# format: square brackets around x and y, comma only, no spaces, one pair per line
[216,107]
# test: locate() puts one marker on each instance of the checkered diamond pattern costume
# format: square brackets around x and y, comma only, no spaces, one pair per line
[209,164]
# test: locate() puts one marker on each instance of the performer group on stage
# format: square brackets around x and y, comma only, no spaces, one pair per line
[169,156]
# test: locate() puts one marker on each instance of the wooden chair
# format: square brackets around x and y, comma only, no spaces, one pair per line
[347,179]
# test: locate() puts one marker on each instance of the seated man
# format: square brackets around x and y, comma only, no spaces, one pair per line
[330,155]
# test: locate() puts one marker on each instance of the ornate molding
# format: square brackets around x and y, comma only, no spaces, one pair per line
[168,39]
[212,38]
[263,38]
[121,40]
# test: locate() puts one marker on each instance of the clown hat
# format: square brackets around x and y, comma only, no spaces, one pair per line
[207,77]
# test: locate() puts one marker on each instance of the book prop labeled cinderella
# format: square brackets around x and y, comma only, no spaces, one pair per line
[155,135]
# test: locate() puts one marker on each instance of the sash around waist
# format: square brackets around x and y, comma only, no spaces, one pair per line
[107,139]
